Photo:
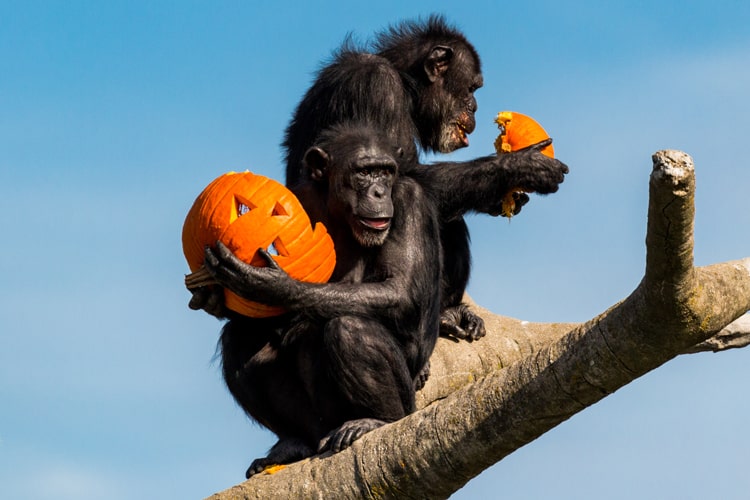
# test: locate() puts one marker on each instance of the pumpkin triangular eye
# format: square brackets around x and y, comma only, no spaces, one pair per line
[242,206]
[278,209]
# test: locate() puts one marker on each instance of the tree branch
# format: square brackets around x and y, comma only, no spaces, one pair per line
[487,399]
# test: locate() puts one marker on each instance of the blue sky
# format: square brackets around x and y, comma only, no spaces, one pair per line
[114,115]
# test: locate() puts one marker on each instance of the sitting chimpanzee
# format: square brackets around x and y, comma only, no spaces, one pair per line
[348,355]
[438,70]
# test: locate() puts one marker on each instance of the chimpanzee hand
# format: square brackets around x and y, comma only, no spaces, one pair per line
[460,322]
[269,285]
[534,172]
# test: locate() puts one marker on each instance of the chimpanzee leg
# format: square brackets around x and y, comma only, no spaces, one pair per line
[368,369]
[454,239]
[457,321]
[263,380]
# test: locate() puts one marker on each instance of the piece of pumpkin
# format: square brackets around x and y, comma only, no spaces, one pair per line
[246,212]
[517,131]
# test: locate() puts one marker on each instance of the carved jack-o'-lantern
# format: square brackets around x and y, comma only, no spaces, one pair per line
[247,212]
[518,131]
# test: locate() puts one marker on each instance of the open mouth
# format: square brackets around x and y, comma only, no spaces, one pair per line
[379,224]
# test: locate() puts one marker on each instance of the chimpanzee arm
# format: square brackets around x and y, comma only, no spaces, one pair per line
[480,184]
[407,273]
[271,285]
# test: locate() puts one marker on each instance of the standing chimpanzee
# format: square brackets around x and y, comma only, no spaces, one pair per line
[348,355]
[439,70]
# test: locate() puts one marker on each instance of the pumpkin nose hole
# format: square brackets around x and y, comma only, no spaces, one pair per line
[279,209]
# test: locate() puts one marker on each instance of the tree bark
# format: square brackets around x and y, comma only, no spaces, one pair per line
[486,399]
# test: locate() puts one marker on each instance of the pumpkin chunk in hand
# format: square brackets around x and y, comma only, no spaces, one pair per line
[517,131]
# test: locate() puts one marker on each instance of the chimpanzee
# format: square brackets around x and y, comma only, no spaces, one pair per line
[439,71]
[348,355]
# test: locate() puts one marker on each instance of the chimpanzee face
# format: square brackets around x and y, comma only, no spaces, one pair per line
[445,112]
[365,188]
[461,81]
[360,173]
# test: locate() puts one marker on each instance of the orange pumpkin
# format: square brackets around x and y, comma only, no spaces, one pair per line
[247,212]
[518,131]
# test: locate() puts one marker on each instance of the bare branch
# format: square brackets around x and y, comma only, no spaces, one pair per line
[734,336]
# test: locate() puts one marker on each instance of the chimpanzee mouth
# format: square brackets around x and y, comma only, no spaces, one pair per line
[463,134]
[379,224]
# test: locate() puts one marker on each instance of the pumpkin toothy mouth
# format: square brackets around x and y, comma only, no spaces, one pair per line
[379,224]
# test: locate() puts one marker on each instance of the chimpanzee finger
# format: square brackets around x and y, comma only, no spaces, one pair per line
[334,443]
[452,330]
[223,264]
[520,199]
[538,146]
[324,444]
[209,259]
[269,259]
[223,252]
[343,440]
[565,168]
[230,263]
[352,436]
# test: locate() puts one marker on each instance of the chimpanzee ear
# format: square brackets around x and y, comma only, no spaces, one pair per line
[437,61]
[316,162]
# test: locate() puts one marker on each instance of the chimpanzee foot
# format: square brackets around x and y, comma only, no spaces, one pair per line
[343,436]
[286,450]
[460,322]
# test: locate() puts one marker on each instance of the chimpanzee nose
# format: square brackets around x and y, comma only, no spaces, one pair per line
[377,191]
